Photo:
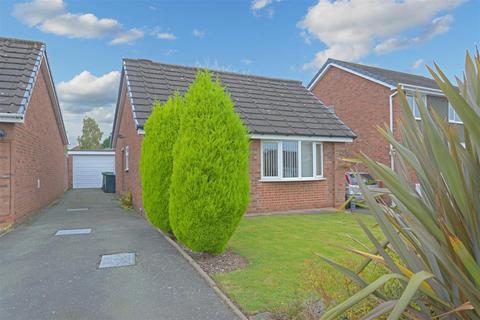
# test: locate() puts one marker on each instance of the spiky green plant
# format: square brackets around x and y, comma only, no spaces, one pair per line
[433,234]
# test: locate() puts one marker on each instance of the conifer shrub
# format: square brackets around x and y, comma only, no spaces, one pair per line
[210,184]
[161,131]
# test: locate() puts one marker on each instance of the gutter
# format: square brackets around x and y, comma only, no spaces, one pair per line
[11,117]
[392,164]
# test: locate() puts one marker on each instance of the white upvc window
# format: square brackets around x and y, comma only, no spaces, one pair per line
[453,116]
[413,104]
[126,158]
[290,160]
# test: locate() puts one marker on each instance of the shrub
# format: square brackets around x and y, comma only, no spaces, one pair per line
[126,200]
[434,229]
[210,183]
[161,131]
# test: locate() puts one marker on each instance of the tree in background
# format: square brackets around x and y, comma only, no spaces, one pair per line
[106,143]
[156,163]
[91,135]
[209,192]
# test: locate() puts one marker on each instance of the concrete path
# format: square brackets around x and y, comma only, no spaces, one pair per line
[43,276]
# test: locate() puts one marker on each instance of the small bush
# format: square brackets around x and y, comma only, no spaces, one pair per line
[210,183]
[126,200]
[161,131]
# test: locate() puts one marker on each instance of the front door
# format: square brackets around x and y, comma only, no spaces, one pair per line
[5,180]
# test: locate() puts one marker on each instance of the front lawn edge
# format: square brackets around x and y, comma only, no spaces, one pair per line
[205,276]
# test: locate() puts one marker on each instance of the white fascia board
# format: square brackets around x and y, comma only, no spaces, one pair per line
[350,71]
[91,153]
[11,117]
[426,90]
[304,138]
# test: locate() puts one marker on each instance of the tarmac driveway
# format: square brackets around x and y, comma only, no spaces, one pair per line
[44,276]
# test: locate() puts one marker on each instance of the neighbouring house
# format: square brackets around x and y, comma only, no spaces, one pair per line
[33,165]
[366,97]
[296,142]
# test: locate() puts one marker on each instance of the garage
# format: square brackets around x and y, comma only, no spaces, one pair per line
[87,167]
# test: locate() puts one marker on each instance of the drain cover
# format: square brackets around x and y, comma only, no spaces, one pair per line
[117,260]
[69,232]
[77,209]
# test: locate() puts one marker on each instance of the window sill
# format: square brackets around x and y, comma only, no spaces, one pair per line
[455,122]
[292,179]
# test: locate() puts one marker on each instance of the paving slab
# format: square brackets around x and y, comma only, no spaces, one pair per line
[44,277]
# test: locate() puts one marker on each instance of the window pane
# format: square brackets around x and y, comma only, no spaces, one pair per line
[270,159]
[413,104]
[319,160]
[452,115]
[307,159]
[290,159]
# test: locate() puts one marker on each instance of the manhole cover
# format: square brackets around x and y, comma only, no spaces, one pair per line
[117,260]
[69,232]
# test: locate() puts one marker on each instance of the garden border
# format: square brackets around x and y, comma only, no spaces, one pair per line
[206,277]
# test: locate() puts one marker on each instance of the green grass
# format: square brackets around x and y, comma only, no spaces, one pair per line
[281,251]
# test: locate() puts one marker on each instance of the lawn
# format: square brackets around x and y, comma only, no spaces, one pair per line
[281,251]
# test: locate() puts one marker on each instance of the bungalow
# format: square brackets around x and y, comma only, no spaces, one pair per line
[296,142]
[33,169]
[366,97]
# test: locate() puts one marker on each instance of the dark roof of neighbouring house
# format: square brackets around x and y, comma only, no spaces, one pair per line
[265,105]
[390,77]
[19,64]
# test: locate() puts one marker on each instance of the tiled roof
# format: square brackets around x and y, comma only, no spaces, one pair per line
[390,77]
[19,65]
[266,105]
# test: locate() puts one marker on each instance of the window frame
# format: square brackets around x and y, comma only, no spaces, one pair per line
[414,105]
[299,177]
[125,160]
[450,108]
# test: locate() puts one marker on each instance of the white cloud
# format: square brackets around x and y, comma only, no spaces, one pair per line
[128,36]
[80,26]
[165,36]
[88,95]
[353,29]
[86,91]
[198,33]
[246,61]
[417,64]
[37,11]
[438,26]
[51,16]
[259,4]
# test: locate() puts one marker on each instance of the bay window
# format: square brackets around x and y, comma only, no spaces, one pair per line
[292,160]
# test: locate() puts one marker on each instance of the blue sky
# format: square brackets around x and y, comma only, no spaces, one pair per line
[86,40]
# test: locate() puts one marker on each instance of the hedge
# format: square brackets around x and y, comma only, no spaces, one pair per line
[161,131]
[209,190]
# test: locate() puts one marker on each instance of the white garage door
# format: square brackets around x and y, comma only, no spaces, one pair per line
[87,169]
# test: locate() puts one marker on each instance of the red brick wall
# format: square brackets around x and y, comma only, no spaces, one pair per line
[362,105]
[296,195]
[38,163]
[6,201]
[128,181]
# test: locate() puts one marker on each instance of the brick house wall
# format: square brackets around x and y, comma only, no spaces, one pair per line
[362,105]
[128,181]
[38,166]
[264,196]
